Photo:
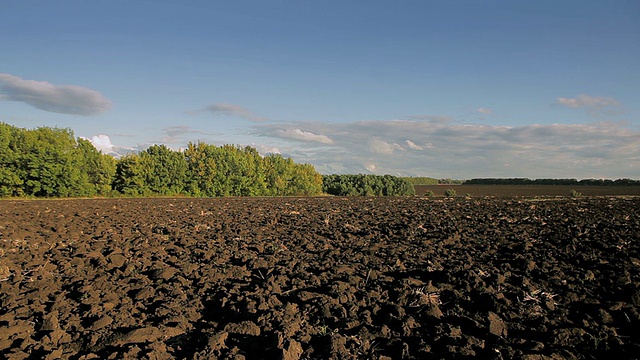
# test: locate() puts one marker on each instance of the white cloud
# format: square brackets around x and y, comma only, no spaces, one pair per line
[378,146]
[297,134]
[234,110]
[102,143]
[64,99]
[485,111]
[264,150]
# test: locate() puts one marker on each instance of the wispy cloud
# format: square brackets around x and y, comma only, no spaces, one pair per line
[64,99]
[588,102]
[593,105]
[378,146]
[412,145]
[297,134]
[180,134]
[225,109]
[484,111]
[430,118]
[450,149]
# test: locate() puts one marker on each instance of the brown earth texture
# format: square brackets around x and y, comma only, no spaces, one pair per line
[320,278]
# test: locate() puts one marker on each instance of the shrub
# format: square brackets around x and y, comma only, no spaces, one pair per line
[575,194]
[429,194]
[450,193]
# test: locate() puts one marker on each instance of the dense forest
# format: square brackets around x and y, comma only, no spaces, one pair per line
[574,182]
[51,162]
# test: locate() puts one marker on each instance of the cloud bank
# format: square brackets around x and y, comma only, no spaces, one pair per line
[63,99]
[447,149]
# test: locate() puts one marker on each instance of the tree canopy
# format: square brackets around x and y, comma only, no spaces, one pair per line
[51,162]
[367,185]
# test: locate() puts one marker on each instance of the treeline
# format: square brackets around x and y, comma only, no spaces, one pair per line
[572,182]
[204,170]
[51,162]
[48,162]
[420,180]
[366,185]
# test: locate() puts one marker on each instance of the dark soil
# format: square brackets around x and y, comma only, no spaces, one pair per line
[297,278]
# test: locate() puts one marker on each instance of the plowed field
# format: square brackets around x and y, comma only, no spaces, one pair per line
[318,278]
[529,190]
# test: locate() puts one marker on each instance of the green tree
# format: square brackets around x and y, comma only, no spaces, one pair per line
[48,163]
[98,169]
[51,162]
[129,177]
[201,169]
[164,171]
[10,180]
[366,185]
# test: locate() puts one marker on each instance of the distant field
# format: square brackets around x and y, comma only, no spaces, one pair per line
[528,190]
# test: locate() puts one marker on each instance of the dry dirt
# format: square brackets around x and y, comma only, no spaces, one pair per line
[318,278]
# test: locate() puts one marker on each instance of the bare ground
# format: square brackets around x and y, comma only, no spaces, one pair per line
[341,278]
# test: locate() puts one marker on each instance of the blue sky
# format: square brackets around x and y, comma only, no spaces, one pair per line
[455,89]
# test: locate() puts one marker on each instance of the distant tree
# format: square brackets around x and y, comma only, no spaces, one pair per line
[420,180]
[277,174]
[201,169]
[48,163]
[164,171]
[129,178]
[11,179]
[366,185]
[98,169]
[305,181]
